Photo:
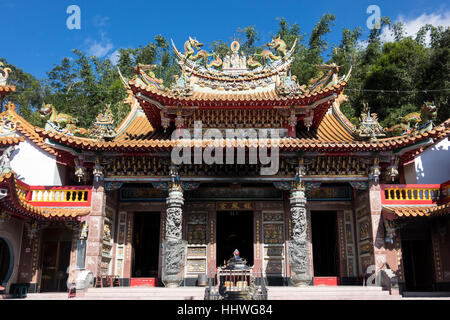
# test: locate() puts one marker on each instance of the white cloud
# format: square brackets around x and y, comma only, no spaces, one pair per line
[100,48]
[413,25]
[101,22]
[114,57]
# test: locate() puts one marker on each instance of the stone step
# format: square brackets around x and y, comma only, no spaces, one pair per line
[197,293]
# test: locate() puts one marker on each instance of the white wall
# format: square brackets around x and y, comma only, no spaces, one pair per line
[433,165]
[410,173]
[35,166]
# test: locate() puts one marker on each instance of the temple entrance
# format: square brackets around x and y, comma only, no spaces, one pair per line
[418,264]
[146,245]
[324,243]
[6,262]
[234,231]
[56,247]
[417,254]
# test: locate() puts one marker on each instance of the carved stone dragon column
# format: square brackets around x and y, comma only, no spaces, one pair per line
[298,245]
[173,246]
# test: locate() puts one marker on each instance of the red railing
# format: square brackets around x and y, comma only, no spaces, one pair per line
[410,194]
[64,196]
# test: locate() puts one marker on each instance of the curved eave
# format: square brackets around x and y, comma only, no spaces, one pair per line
[10,141]
[418,211]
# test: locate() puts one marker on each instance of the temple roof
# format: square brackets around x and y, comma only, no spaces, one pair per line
[235,82]
[16,203]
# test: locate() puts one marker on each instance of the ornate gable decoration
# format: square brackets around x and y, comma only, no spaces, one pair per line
[234,72]
[369,126]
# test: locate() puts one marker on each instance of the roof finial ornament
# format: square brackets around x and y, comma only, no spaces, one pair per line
[103,128]
[369,126]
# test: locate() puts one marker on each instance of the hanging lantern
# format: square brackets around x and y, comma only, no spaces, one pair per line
[375,170]
[292,120]
[165,121]
[98,169]
[179,120]
[308,120]
[80,170]
[393,170]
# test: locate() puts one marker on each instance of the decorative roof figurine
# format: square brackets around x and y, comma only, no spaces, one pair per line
[148,76]
[4,74]
[235,62]
[287,85]
[330,78]
[369,126]
[60,122]
[276,44]
[421,121]
[104,125]
[182,86]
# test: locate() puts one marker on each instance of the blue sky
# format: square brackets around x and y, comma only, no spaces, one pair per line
[35,36]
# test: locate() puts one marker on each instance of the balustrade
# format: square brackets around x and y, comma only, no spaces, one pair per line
[410,194]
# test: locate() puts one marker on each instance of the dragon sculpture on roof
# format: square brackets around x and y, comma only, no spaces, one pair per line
[193,44]
[61,122]
[276,44]
[416,120]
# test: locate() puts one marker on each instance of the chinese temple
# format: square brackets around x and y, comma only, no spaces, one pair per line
[342,201]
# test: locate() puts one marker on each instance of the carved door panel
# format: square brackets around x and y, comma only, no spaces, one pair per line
[196,237]
[274,262]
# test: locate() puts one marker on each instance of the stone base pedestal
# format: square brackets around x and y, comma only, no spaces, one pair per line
[301,280]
